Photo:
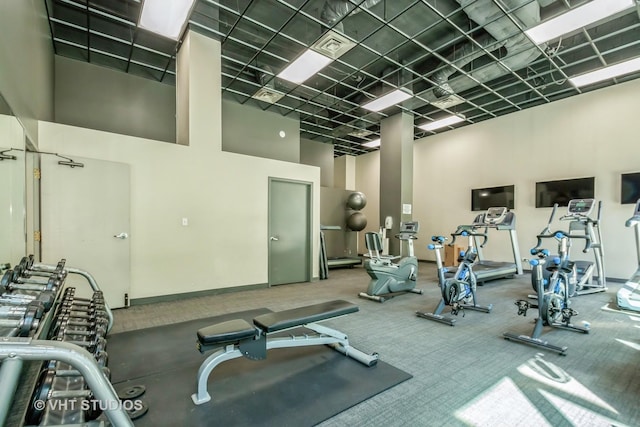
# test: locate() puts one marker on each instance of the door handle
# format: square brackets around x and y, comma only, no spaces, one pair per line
[122,235]
[273,239]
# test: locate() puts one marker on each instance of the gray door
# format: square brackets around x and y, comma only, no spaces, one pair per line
[85,219]
[289,232]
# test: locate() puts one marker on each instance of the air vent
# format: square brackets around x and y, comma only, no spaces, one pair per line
[447,101]
[333,45]
[267,95]
[360,133]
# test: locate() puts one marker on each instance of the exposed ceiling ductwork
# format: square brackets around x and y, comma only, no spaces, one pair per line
[472,53]
[334,11]
[505,33]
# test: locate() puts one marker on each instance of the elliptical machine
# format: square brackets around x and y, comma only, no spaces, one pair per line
[459,291]
[553,299]
[628,297]
[387,278]
[581,226]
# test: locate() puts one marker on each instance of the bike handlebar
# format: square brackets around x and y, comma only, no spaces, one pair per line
[559,234]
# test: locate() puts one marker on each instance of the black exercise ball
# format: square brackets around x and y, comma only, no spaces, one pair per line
[357,221]
[356,200]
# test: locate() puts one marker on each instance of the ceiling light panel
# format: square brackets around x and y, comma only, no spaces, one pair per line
[305,66]
[372,144]
[606,73]
[447,121]
[165,17]
[386,101]
[576,18]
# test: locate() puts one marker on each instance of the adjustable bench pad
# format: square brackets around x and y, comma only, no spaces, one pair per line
[272,322]
[227,332]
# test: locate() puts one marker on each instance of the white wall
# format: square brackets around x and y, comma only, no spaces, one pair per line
[593,134]
[224,195]
[26,62]
[12,195]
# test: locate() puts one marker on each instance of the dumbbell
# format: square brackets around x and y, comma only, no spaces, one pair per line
[44,392]
[27,321]
[94,345]
[69,321]
[99,331]
[47,298]
[89,308]
[26,265]
[96,298]
[12,279]
[102,359]
[82,313]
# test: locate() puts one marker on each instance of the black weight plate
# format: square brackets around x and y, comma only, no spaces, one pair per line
[138,410]
[131,392]
[6,280]
[39,397]
[17,273]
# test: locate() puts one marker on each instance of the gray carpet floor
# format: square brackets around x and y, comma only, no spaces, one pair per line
[463,375]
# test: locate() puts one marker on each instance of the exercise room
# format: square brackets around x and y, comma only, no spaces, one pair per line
[319,213]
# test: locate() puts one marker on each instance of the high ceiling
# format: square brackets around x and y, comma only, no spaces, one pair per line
[475,61]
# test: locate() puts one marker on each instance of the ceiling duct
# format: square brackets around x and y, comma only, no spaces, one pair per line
[335,10]
[520,51]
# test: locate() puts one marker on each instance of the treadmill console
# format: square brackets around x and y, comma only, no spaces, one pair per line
[495,215]
[582,207]
[409,227]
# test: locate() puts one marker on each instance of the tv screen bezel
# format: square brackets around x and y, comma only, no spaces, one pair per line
[622,192]
[509,206]
[591,179]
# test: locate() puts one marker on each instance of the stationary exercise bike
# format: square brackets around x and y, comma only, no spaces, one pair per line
[554,305]
[628,297]
[389,279]
[459,291]
[581,226]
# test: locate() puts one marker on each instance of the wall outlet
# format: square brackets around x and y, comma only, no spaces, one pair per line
[185,221]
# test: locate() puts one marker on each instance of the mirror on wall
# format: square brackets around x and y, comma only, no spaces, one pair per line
[12,181]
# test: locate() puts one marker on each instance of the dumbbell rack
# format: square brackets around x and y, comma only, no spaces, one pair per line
[56,352]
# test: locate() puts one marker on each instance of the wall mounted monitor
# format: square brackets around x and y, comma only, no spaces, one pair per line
[485,198]
[550,192]
[630,188]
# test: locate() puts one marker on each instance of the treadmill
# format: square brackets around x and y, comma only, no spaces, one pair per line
[327,262]
[501,219]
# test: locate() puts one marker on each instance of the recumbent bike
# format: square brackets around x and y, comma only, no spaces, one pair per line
[389,279]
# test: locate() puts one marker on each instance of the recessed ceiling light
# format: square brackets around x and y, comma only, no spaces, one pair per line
[606,73]
[447,121]
[165,17]
[576,18]
[372,144]
[386,101]
[305,66]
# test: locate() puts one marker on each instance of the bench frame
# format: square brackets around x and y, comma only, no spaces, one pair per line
[255,348]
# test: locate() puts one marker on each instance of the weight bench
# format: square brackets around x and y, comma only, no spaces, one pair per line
[238,338]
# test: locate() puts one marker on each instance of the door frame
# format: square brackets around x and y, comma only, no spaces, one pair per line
[309,192]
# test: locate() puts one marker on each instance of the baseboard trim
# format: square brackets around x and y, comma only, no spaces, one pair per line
[195,294]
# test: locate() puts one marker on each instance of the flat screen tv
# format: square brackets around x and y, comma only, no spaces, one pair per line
[485,198]
[550,192]
[630,188]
